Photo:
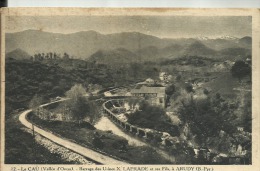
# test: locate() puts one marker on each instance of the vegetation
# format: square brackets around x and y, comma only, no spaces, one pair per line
[207,117]
[34,81]
[35,103]
[153,117]
[104,141]
[244,111]
[49,78]
[241,69]
[79,106]
[18,146]
[195,61]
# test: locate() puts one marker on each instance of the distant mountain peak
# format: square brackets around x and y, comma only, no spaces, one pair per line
[198,48]
[85,44]
[226,37]
[246,38]
[87,32]
[18,54]
[203,38]
[197,43]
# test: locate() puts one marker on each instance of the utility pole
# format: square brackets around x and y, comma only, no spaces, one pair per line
[33,145]
[34,139]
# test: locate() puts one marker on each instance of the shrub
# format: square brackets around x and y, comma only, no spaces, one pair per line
[97,143]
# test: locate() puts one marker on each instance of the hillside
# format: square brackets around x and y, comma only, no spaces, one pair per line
[51,78]
[24,79]
[80,44]
[226,85]
[235,53]
[117,56]
[199,49]
[246,41]
[18,54]
[84,44]
[174,51]
[148,53]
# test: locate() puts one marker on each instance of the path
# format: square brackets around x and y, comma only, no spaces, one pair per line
[105,124]
[70,145]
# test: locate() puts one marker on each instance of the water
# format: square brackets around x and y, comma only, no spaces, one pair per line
[105,124]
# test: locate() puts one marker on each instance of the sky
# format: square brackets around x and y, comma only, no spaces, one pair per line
[160,26]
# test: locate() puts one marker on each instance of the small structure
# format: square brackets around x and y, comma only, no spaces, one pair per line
[241,129]
[149,81]
[153,95]
[108,94]
[163,76]
[248,61]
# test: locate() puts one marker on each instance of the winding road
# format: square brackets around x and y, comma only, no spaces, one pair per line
[89,153]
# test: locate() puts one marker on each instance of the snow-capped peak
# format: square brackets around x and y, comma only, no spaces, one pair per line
[228,37]
[203,38]
[225,37]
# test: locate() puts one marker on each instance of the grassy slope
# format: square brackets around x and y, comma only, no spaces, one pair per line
[225,84]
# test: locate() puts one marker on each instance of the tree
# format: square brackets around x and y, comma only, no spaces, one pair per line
[35,102]
[45,85]
[207,117]
[57,90]
[35,57]
[135,69]
[178,77]
[76,92]
[189,87]
[79,105]
[79,108]
[66,56]
[51,55]
[77,102]
[97,142]
[152,117]
[240,70]
[244,110]
[13,76]
[54,55]
[170,89]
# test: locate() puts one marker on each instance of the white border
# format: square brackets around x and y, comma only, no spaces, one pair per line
[138,3]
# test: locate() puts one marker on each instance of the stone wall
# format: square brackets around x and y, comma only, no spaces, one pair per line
[146,134]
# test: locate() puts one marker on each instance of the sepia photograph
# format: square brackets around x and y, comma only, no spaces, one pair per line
[128,88]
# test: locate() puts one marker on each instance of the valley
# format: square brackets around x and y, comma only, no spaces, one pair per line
[206,99]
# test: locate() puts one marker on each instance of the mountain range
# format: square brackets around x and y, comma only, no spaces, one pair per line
[124,47]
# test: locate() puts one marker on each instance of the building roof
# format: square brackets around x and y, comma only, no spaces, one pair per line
[147,90]
[149,80]
[162,74]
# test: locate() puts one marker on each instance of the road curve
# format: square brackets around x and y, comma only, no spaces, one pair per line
[101,158]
